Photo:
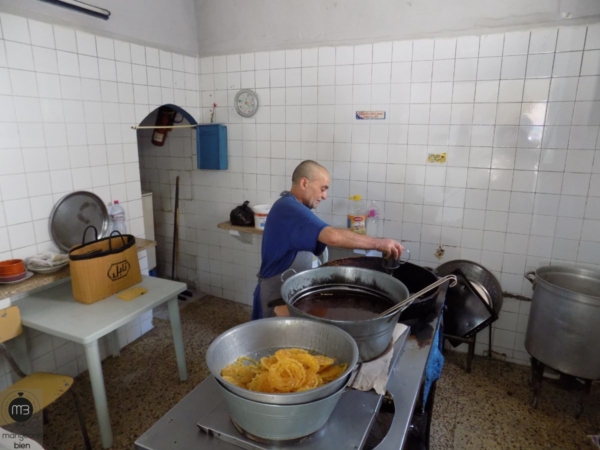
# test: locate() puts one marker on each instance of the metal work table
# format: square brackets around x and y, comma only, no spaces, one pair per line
[349,424]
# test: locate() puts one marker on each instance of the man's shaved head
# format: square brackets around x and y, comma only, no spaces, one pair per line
[307,169]
[310,182]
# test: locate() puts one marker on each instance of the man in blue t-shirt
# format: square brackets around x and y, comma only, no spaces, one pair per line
[293,234]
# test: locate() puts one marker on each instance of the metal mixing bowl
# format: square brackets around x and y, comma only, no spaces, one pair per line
[263,337]
[280,422]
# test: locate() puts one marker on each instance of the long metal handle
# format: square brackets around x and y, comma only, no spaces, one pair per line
[169,127]
[409,300]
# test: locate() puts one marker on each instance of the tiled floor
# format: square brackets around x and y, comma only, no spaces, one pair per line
[486,409]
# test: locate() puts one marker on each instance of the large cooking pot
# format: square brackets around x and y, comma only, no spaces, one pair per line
[414,277]
[280,422]
[372,336]
[262,337]
[564,322]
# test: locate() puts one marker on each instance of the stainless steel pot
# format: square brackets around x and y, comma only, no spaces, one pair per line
[262,337]
[564,322]
[372,336]
[280,422]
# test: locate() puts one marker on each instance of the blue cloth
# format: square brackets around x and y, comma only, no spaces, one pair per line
[435,363]
[291,227]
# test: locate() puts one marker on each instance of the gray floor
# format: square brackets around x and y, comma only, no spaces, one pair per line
[486,409]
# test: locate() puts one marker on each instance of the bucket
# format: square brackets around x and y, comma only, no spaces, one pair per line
[260,215]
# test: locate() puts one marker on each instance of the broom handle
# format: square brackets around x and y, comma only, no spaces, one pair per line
[175,233]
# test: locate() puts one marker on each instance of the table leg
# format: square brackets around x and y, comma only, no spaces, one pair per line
[177,337]
[92,354]
[114,343]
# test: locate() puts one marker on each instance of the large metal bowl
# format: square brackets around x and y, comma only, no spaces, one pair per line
[262,337]
[372,336]
[280,422]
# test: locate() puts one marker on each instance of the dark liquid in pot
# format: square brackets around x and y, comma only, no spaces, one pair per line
[343,305]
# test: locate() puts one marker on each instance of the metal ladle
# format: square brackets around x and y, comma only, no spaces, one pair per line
[409,300]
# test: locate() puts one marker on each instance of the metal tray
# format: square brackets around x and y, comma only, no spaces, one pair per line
[72,214]
[476,273]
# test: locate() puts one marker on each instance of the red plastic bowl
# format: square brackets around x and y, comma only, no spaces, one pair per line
[12,267]
[13,278]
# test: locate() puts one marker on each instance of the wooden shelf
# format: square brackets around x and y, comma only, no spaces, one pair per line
[144,244]
[42,281]
[227,226]
[242,234]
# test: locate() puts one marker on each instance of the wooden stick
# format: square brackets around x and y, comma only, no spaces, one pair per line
[175,231]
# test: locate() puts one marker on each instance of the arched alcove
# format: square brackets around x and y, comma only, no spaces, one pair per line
[159,168]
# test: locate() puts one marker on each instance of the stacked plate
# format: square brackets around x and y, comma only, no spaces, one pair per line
[48,262]
[13,271]
[45,269]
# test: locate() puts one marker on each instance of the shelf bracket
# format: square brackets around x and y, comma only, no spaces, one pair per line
[244,238]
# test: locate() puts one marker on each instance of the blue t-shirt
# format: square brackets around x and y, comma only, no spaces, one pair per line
[291,228]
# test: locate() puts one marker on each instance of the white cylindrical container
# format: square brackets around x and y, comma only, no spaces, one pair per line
[260,215]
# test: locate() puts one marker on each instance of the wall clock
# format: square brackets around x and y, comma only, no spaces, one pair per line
[246,103]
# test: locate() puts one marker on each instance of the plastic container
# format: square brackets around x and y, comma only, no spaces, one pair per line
[260,215]
[373,219]
[357,215]
[117,218]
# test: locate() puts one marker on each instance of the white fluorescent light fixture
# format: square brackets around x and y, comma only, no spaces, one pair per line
[85,8]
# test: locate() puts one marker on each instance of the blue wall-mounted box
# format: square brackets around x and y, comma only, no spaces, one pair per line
[212,146]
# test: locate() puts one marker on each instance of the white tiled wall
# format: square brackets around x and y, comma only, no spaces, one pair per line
[68,100]
[516,113]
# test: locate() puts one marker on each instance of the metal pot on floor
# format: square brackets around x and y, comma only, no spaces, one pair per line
[564,322]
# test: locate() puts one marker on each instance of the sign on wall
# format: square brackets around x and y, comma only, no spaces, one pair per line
[370,115]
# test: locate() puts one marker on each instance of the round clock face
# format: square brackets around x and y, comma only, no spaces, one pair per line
[246,103]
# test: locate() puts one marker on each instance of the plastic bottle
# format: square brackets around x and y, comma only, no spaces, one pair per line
[117,218]
[373,219]
[357,215]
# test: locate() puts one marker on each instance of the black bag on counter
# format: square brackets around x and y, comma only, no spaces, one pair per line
[242,215]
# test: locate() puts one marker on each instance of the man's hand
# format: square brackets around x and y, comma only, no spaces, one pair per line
[390,247]
[343,238]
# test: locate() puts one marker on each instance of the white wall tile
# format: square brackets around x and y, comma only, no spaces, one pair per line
[15,28]
[516,43]
[467,47]
[543,41]
[19,56]
[64,39]
[570,39]
[520,171]
[491,45]
[567,64]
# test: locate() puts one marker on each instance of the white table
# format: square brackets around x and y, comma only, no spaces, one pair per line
[55,311]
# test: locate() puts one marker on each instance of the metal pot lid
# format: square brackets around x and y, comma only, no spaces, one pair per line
[478,275]
[72,214]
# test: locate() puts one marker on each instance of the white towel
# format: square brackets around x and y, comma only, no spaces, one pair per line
[48,259]
[374,374]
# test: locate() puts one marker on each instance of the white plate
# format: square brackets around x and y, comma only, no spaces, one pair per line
[29,275]
[46,269]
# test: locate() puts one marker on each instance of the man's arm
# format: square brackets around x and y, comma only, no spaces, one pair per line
[343,238]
